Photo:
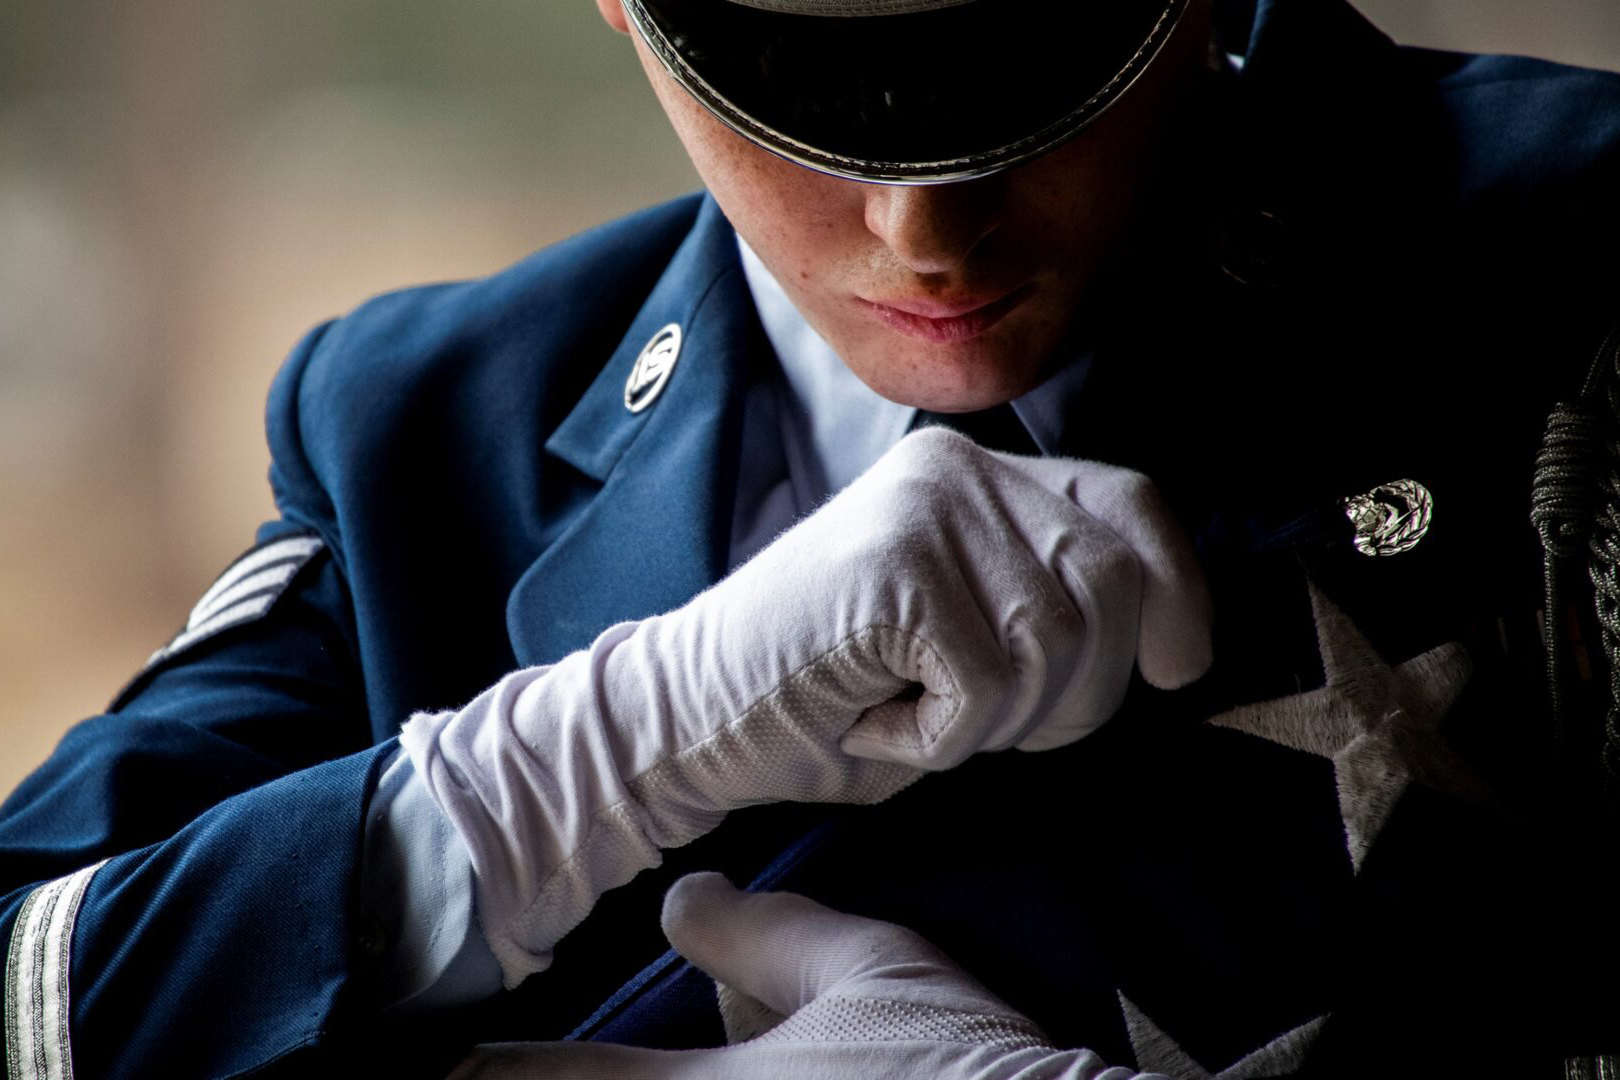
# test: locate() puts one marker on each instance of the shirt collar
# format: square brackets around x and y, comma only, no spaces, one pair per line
[1046,410]
[834,425]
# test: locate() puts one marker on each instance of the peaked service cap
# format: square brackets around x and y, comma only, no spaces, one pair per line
[906,91]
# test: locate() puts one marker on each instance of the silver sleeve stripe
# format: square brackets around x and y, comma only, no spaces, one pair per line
[276,574]
[246,590]
[245,610]
[293,548]
[37,1000]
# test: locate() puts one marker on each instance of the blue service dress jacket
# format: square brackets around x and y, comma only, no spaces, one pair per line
[1345,849]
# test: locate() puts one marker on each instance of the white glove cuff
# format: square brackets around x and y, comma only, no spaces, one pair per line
[528,778]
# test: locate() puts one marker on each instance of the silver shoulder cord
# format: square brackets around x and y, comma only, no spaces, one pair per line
[1575,508]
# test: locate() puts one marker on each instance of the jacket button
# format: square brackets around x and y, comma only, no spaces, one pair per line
[371,935]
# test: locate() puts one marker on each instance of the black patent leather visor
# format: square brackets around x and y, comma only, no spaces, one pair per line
[923,97]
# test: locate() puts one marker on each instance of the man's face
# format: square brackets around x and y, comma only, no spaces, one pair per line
[950,297]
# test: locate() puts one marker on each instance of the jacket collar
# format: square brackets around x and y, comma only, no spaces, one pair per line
[1318,82]
[1308,36]
[656,532]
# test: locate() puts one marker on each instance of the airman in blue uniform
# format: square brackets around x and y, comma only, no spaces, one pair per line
[1354,274]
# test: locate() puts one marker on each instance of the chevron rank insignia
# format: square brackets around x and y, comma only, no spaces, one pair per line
[246,591]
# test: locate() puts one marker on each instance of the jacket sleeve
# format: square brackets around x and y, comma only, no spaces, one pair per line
[179,882]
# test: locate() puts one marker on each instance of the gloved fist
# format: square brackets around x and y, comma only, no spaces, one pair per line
[861,998]
[949,601]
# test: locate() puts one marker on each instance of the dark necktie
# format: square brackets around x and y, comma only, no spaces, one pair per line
[995,428]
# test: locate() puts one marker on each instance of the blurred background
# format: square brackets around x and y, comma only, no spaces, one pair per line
[186,186]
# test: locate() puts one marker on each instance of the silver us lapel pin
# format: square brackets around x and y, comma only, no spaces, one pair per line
[652,368]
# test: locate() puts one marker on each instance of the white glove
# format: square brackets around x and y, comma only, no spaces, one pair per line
[1017,592]
[863,999]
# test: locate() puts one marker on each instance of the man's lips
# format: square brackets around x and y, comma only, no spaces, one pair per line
[947,319]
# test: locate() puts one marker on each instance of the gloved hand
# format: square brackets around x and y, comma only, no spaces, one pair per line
[862,998]
[1015,592]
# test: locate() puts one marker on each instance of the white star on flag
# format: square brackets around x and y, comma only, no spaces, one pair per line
[1159,1053]
[1378,724]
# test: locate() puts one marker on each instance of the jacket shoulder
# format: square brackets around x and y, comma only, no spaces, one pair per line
[1537,150]
[437,365]
[1521,128]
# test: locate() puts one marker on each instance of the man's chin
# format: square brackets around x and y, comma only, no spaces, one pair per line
[949,379]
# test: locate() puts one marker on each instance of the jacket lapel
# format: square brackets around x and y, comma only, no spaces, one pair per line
[656,533]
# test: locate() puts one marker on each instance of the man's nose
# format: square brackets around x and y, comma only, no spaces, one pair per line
[933,228]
